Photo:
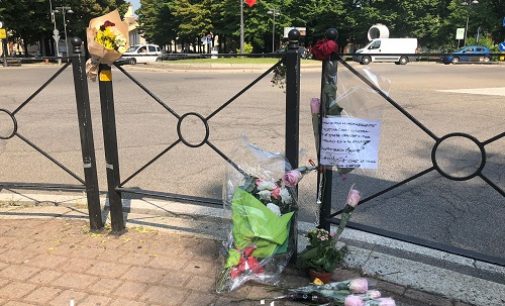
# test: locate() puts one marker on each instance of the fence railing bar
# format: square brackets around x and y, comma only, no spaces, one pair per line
[182,198]
[423,242]
[33,214]
[387,190]
[41,88]
[492,139]
[51,159]
[244,90]
[150,162]
[389,99]
[227,159]
[490,183]
[146,90]
[36,186]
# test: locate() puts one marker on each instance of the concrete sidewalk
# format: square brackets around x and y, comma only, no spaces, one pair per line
[49,257]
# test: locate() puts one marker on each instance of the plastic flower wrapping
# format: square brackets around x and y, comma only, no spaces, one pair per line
[107,37]
[261,200]
[352,292]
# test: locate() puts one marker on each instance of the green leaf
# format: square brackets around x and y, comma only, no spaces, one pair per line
[233,258]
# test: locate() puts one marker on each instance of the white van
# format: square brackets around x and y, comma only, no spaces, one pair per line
[141,54]
[394,50]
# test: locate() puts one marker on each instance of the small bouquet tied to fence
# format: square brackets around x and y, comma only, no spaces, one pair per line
[107,37]
[263,203]
[322,255]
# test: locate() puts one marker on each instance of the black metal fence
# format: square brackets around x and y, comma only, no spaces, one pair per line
[328,216]
[116,186]
[291,60]
[89,183]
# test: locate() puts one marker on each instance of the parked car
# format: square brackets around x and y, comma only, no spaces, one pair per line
[469,54]
[148,53]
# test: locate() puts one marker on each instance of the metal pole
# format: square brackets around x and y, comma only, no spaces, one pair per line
[328,91]
[241,26]
[56,35]
[65,30]
[466,27]
[110,146]
[4,51]
[273,32]
[86,132]
[292,62]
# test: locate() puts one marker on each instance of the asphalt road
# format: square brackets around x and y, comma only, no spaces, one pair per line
[444,99]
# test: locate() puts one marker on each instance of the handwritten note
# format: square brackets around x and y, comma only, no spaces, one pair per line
[350,142]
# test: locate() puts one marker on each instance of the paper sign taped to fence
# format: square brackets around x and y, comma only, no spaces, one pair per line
[350,142]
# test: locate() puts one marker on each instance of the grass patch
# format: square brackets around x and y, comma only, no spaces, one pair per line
[236,61]
[226,60]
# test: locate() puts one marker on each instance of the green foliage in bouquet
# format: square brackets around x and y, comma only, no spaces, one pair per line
[321,254]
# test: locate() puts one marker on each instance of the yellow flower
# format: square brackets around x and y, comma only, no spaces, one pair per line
[111,39]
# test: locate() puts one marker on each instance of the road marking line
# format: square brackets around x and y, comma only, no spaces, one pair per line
[496,91]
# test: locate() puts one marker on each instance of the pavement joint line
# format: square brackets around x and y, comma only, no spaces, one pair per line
[385,258]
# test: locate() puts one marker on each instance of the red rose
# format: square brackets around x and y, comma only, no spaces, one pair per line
[324,48]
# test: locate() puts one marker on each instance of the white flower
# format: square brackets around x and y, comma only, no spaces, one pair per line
[285,196]
[274,208]
[265,185]
[265,195]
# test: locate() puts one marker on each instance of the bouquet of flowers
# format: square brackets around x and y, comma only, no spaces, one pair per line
[260,242]
[354,292]
[107,41]
[321,256]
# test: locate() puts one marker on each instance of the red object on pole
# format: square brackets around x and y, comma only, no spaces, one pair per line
[250,3]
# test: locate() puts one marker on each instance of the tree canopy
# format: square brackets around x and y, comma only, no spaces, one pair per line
[433,22]
[30,20]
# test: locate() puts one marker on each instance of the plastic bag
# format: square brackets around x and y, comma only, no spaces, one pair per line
[351,119]
[260,196]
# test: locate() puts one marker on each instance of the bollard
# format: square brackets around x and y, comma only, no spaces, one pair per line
[292,62]
[326,182]
[86,132]
[110,146]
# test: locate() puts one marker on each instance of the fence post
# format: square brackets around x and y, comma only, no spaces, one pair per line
[292,62]
[329,80]
[110,146]
[86,132]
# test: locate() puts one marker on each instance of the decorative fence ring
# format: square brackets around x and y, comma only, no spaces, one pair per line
[456,178]
[14,125]
[204,121]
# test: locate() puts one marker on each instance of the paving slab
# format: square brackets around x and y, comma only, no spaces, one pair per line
[152,280]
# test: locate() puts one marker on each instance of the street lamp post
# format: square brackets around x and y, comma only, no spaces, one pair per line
[241,26]
[64,9]
[468,3]
[56,33]
[273,12]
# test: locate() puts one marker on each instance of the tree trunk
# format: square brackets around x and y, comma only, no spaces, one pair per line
[25,46]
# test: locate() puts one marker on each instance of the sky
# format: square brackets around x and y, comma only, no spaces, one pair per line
[136,4]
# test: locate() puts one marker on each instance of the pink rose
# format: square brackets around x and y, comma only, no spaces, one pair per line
[386,302]
[315,105]
[353,300]
[276,193]
[359,285]
[353,197]
[292,178]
